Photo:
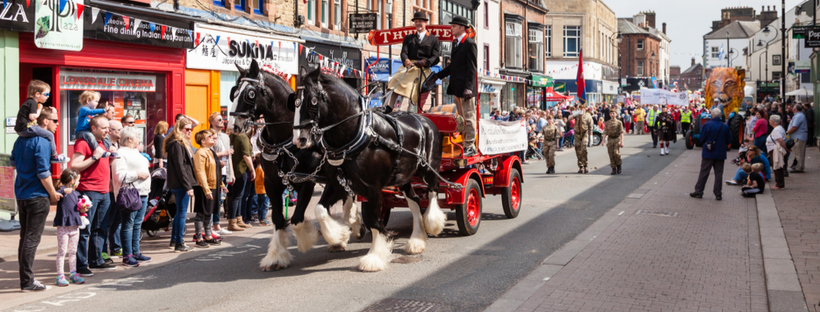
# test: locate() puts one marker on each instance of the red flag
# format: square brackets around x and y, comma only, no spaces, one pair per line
[80,9]
[579,79]
[163,27]
[126,19]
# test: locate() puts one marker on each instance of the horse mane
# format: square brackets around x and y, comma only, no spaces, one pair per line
[342,88]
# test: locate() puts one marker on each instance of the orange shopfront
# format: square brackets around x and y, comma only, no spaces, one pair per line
[144,81]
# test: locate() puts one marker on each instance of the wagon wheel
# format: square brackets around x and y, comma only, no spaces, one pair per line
[511,195]
[151,233]
[690,139]
[468,215]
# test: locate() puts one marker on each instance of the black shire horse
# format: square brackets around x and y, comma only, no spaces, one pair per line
[371,151]
[259,93]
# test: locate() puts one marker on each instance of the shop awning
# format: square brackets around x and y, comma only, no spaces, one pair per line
[381,70]
[800,92]
[554,96]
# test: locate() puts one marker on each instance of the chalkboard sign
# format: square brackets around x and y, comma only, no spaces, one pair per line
[362,22]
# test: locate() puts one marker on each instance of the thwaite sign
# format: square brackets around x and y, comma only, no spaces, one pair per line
[396,35]
[70,80]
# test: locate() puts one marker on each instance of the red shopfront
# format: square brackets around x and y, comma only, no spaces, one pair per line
[142,80]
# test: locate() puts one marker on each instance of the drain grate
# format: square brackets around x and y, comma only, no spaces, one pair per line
[391,305]
[657,213]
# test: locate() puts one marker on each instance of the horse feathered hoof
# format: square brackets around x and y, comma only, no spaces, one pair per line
[274,268]
[362,232]
[376,258]
[306,235]
[337,248]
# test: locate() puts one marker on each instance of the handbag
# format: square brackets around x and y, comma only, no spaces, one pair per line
[790,143]
[128,199]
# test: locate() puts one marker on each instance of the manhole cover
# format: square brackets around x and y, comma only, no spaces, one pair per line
[406,260]
[390,304]
[657,213]
[635,195]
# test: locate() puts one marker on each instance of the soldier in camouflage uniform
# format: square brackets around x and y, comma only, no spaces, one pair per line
[614,129]
[550,133]
[583,129]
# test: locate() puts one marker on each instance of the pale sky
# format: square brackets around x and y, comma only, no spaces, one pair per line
[688,20]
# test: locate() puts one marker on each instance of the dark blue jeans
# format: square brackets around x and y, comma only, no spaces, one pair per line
[92,238]
[761,143]
[215,216]
[249,209]
[131,227]
[237,196]
[262,202]
[113,241]
[182,199]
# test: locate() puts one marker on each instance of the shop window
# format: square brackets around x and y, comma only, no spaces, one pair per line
[148,108]
[536,51]
[513,57]
[572,41]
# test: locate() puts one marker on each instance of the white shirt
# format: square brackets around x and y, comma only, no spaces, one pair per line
[777,133]
[126,168]
[460,38]
[421,35]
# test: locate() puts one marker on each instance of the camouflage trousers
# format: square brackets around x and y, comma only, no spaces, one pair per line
[549,153]
[581,150]
[614,149]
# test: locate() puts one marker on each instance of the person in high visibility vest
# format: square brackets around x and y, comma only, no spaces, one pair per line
[652,123]
[685,119]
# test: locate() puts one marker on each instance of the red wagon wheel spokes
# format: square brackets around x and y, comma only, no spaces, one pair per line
[515,193]
[473,208]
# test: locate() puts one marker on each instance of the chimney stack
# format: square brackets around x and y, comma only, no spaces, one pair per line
[693,61]
[664,28]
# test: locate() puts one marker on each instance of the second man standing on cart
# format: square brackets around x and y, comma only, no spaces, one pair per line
[462,72]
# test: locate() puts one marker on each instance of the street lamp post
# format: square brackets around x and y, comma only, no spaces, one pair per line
[616,43]
[728,50]
[783,50]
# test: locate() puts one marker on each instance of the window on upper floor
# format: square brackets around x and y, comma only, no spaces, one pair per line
[640,44]
[548,40]
[486,56]
[572,41]
[258,6]
[536,49]
[513,45]
[486,14]
[325,11]
[715,52]
[311,12]
[239,5]
[337,14]
[639,70]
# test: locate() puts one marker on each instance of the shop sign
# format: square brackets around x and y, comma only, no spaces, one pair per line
[362,22]
[220,50]
[58,25]
[350,58]
[396,35]
[140,29]
[541,81]
[17,15]
[488,88]
[71,80]
[802,66]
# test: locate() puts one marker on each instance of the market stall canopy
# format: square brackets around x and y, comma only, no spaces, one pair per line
[800,92]
[381,70]
[554,96]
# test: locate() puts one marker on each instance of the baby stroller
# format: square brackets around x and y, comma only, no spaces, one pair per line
[161,205]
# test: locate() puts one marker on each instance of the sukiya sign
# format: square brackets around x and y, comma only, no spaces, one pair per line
[17,16]
[217,49]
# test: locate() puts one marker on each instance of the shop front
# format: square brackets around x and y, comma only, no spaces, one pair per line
[140,70]
[489,95]
[609,91]
[593,89]
[348,60]
[535,90]
[18,16]
[211,65]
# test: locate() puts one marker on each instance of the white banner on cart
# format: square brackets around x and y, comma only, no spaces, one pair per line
[499,137]
[660,96]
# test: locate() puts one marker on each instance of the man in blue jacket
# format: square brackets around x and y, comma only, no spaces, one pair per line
[716,139]
[34,191]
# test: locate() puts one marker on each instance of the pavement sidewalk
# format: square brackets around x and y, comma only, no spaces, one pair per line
[799,211]
[661,250]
